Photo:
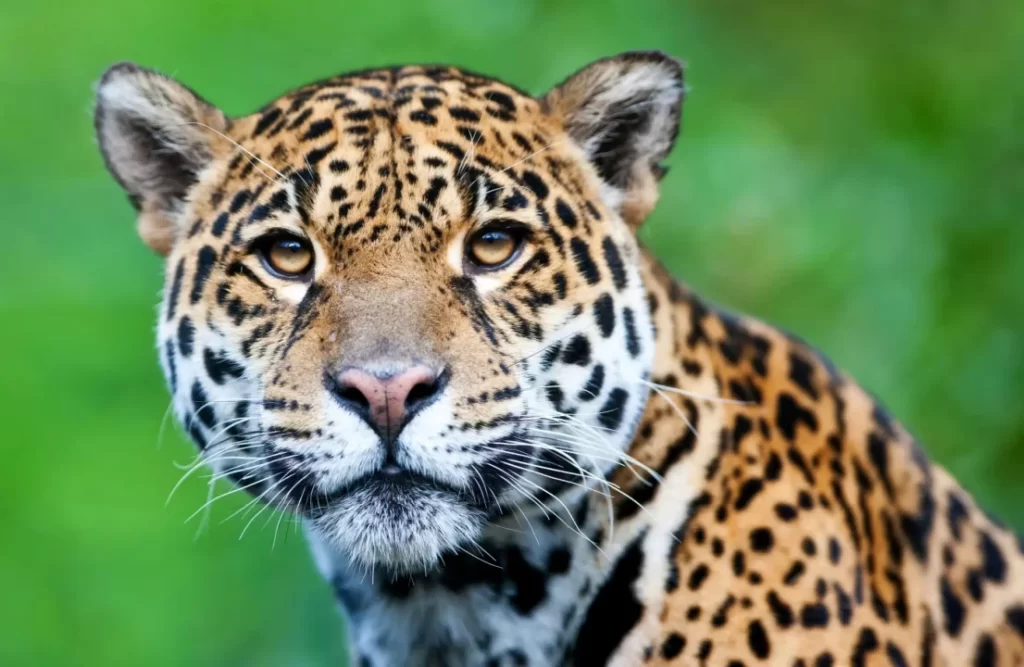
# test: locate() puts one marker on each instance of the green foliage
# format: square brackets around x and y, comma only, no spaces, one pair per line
[851,171]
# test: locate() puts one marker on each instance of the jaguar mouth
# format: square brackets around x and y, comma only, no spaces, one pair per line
[388,486]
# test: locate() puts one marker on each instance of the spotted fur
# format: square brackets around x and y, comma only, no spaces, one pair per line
[612,471]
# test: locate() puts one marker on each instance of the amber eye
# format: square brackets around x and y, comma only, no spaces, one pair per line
[286,256]
[494,247]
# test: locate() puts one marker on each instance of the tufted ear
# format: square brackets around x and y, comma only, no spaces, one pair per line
[156,135]
[624,113]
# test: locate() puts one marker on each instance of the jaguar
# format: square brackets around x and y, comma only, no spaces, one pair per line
[409,306]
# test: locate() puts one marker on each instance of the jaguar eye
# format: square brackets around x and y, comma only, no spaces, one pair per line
[286,255]
[494,247]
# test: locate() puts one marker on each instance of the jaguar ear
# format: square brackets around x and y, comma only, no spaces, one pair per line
[624,113]
[156,135]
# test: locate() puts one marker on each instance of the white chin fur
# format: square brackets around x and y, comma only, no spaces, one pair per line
[403,531]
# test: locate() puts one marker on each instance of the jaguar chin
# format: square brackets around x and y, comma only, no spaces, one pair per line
[398,521]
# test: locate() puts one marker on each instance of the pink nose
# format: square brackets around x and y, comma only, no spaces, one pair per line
[387,401]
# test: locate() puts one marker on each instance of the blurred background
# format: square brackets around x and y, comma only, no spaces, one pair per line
[855,175]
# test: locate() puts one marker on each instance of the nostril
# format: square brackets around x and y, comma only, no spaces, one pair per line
[352,395]
[425,391]
[422,391]
[346,390]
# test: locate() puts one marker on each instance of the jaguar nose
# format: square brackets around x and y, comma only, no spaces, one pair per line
[388,401]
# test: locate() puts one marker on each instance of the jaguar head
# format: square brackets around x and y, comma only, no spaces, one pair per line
[402,302]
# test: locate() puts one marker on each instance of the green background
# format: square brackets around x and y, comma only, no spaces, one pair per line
[854,175]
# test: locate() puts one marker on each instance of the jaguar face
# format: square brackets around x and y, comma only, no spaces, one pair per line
[402,302]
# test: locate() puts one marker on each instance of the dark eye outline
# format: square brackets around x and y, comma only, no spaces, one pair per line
[262,246]
[517,231]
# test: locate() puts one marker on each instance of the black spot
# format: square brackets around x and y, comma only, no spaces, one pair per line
[559,560]
[632,340]
[577,351]
[452,149]
[219,367]
[604,313]
[614,611]
[697,577]
[721,615]
[985,656]
[501,99]
[782,612]
[318,129]
[613,409]
[918,528]
[374,206]
[928,637]
[785,511]
[172,367]
[790,414]
[529,582]
[201,405]
[219,224]
[824,660]
[952,608]
[464,114]
[614,261]
[513,202]
[956,515]
[565,214]
[1015,618]
[197,435]
[761,540]
[186,336]
[757,639]
[239,200]
[895,655]
[437,184]
[805,500]
[555,395]
[866,643]
[204,265]
[172,297]
[561,287]
[584,262]
[268,118]
[879,456]
[423,117]
[672,646]
[814,616]
[801,372]
[594,384]
[974,586]
[794,573]
[748,491]
[992,561]
[547,360]
[834,550]
[844,606]
[738,564]
[536,184]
